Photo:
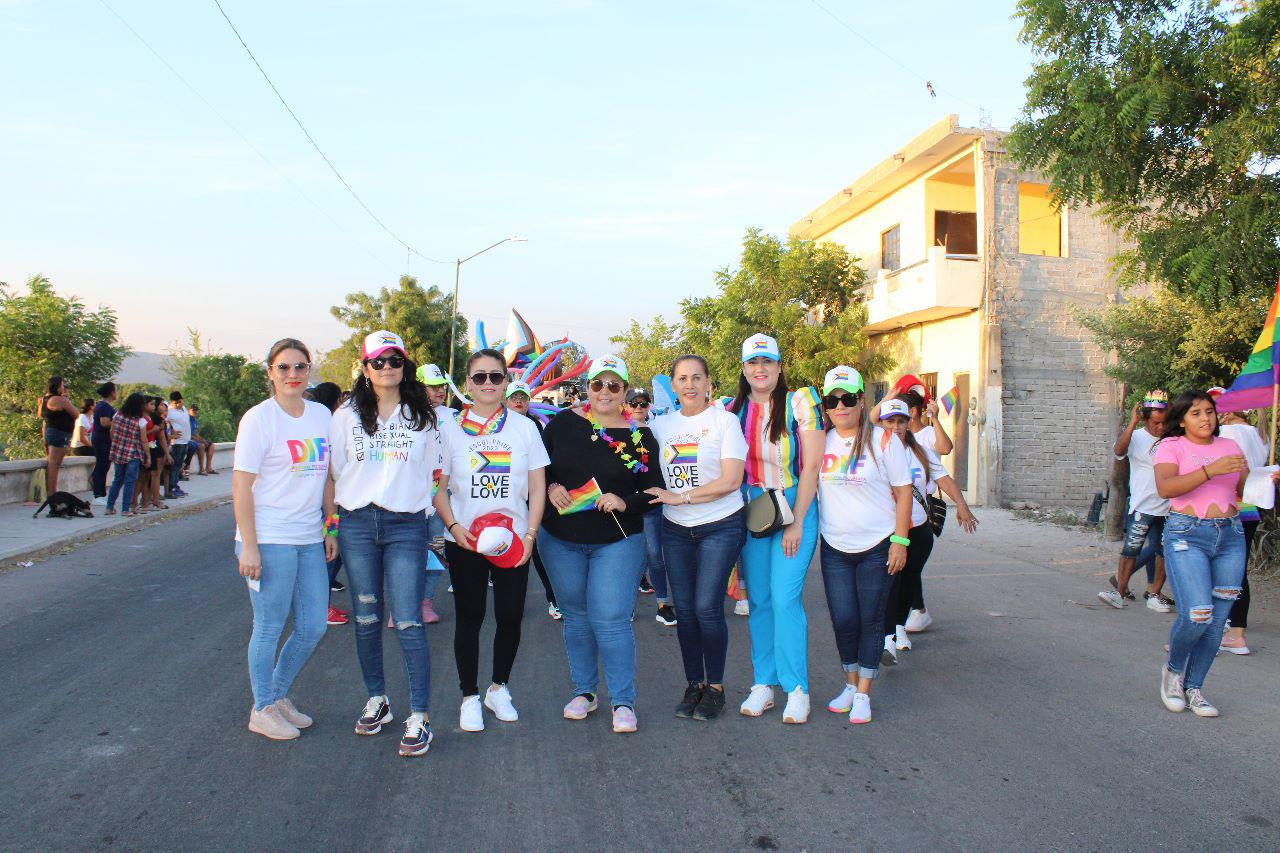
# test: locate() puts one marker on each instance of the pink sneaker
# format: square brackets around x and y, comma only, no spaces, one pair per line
[624,719]
[1235,647]
[579,707]
[429,614]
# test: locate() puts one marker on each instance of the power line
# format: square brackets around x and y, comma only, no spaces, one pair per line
[878,49]
[243,138]
[315,145]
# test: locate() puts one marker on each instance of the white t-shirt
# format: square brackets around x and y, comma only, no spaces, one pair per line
[81,437]
[1254,448]
[856,507]
[395,468]
[928,439]
[936,470]
[690,450]
[180,422]
[490,473]
[1142,476]
[290,457]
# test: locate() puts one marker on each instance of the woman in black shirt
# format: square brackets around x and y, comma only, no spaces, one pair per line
[593,541]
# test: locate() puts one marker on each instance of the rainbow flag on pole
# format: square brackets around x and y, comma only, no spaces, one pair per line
[1254,388]
[584,497]
[950,398]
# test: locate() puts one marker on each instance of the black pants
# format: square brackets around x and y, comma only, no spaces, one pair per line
[908,586]
[542,574]
[470,573]
[101,467]
[1240,609]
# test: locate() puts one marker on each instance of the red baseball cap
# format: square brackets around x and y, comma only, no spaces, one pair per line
[911,382]
[496,539]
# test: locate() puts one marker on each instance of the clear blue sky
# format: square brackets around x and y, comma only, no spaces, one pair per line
[631,143]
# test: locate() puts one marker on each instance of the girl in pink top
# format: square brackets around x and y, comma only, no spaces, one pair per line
[1202,475]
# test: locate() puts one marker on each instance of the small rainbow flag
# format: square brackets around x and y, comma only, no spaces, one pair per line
[683,453]
[494,461]
[950,398]
[584,497]
[1253,388]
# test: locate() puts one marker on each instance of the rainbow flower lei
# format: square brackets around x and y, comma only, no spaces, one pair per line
[636,466]
[493,425]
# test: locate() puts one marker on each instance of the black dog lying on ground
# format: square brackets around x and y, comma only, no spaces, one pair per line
[65,505]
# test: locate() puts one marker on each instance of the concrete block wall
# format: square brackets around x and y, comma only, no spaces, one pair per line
[74,476]
[1059,408]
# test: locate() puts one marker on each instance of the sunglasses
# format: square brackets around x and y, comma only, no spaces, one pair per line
[395,362]
[493,377]
[613,385]
[283,369]
[833,401]
[639,404]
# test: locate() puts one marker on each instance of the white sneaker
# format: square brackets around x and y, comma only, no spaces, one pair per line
[1112,597]
[102,501]
[797,710]
[1171,692]
[918,620]
[1199,705]
[741,608]
[470,717]
[843,703]
[269,723]
[900,637]
[890,656]
[759,700]
[1154,603]
[499,702]
[861,710]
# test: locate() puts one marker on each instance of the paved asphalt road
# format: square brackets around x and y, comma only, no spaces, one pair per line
[1027,719]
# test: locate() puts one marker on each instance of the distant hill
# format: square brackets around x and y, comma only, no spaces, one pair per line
[145,367]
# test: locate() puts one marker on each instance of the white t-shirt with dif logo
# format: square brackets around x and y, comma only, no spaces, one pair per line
[690,451]
[856,506]
[290,457]
[490,473]
[936,470]
[396,468]
[1143,496]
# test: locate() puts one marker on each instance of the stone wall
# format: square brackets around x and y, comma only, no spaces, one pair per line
[1059,409]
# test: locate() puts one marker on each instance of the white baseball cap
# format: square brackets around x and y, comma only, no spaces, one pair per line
[844,377]
[608,364]
[378,342]
[760,345]
[518,387]
[892,407]
[431,374]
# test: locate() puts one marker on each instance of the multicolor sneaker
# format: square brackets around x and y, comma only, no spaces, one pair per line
[376,714]
[861,711]
[417,736]
[579,706]
[843,703]
[624,719]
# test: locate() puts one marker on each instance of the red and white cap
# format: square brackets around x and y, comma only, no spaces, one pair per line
[496,539]
[911,382]
[379,342]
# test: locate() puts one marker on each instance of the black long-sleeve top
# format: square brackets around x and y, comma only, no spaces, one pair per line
[575,459]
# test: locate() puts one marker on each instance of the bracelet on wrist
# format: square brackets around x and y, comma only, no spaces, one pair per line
[331,525]
[899,540]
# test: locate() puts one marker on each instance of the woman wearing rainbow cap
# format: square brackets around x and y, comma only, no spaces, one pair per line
[784,446]
[593,544]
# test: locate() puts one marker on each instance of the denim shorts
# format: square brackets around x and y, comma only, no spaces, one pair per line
[1139,529]
[55,437]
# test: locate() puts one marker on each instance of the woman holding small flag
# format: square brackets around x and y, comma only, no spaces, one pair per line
[494,463]
[593,544]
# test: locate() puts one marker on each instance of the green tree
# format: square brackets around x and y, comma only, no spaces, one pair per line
[649,349]
[421,317]
[1166,115]
[224,385]
[43,334]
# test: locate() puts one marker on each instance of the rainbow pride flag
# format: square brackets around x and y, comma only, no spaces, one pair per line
[1254,387]
[950,398]
[584,497]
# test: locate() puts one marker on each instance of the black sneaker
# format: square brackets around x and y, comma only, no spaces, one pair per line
[666,615]
[337,586]
[645,586]
[376,714]
[417,736]
[692,696]
[711,704]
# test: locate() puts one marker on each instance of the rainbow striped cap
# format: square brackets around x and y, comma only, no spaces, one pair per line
[1155,399]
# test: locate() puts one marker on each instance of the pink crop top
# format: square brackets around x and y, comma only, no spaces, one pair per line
[1221,490]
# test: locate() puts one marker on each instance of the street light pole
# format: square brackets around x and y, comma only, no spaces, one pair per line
[457,281]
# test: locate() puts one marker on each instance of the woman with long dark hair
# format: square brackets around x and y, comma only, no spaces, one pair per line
[128,452]
[386,457]
[784,438]
[1202,475]
[865,489]
[59,415]
[278,483]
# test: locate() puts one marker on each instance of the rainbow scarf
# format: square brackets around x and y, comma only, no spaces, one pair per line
[1253,388]
[583,498]
[494,424]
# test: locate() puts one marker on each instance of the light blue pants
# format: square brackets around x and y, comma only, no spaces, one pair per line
[775,586]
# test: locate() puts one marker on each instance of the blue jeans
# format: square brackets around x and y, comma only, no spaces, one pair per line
[857,587]
[654,562]
[179,454]
[1142,537]
[435,530]
[775,584]
[596,588]
[1204,559]
[380,547]
[125,477]
[293,576]
[699,560]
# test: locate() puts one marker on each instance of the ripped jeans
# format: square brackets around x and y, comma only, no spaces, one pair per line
[1204,559]
[381,549]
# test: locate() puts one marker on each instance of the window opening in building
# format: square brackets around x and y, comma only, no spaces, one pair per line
[1040,223]
[957,231]
[891,249]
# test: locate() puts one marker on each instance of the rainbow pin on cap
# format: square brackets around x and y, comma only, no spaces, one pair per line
[760,345]
[430,374]
[608,364]
[1156,399]
[497,541]
[844,377]
[379,342]
[889,408]
[518,387]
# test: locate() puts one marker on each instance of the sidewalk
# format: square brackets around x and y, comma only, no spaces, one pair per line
[23,538]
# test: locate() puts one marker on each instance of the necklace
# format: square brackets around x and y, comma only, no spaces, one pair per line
[493,425]
[638,466]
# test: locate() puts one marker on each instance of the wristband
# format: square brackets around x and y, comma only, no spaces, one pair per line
[688,497]
[899,540]
[454,524]
[331,525]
